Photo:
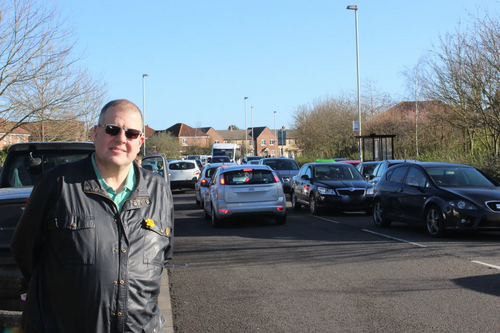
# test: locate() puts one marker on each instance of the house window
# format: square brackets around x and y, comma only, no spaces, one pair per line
[273,152]
[263,142]
[289,142]
[271,142]
[225,141]
[184,141]
[251,143]
[216,141]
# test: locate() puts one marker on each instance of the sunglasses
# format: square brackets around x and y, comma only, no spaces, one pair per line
[114,130]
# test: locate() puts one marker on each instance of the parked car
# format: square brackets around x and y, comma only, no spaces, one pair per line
[285,168]
[382,166]
[203,182]
[24,163]
[220,159]
[183,174]
[440,196]
[243,190]
[335,185]
[367,168]
[247,159]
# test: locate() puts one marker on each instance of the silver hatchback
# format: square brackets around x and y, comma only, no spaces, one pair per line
[244,190]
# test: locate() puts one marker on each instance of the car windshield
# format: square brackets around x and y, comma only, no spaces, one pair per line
[281,164]
[458,177]
[245,177]
[336,172]
[22,170]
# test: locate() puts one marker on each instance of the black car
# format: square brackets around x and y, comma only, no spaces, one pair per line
[382,166]
[285,168]
[440,196]
[247,159]
[336,185]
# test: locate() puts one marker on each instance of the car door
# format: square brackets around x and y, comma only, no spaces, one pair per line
[305,184]
[415,191]
[393,192]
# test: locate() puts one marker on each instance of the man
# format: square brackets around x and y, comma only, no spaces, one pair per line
[95,236]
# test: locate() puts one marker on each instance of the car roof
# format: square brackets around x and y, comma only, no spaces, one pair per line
[441,164]
[246,166]
[24,146]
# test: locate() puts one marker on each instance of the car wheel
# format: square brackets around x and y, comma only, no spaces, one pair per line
[280,219]
[295,204]
[215,221]
[313,205]
[379,215]
[434,221]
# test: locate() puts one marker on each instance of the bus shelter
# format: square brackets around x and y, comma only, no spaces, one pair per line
[376,147]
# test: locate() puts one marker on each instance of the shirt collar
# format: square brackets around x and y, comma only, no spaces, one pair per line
[129,183]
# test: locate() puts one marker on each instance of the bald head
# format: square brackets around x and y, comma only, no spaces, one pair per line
[123,105]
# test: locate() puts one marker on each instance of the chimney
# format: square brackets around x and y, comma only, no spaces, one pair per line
[231,128]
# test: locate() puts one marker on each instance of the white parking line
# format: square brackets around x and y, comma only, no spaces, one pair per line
[485,264]
[322,218]
[394,238]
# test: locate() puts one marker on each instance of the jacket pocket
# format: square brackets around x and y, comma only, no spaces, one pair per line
[156,241]
[73,239]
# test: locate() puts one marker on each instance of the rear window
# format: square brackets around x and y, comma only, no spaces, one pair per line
[241,177]
[22,170]
[181,166]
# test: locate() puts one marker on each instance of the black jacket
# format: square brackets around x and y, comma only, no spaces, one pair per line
[90,268]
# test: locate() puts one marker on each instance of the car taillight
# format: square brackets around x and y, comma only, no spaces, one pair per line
[281,208]
[223,211]
[247,170]
[204,181]
[222,181]
[276,179]
[196,172]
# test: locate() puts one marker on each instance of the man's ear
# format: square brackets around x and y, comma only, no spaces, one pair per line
[96,129]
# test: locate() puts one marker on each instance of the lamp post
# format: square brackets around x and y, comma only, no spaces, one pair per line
[144,111]
[355,8]
[275,137]
[246,131]
[253,141]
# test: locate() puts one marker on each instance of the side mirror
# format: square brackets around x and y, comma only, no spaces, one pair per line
[304,177]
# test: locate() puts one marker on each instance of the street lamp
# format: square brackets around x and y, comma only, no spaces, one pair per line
[355,8]
[253,141]
[144,111]
[246,131]
[275,138]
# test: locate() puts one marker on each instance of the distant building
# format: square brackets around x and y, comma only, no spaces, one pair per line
[17,135]
[188,136]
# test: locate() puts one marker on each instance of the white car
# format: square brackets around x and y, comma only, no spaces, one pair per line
[202,184]
[244,190]
[183,174]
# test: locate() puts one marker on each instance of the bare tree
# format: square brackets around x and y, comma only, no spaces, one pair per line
[39,79]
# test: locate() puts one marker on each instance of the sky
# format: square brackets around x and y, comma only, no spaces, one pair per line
[203,57]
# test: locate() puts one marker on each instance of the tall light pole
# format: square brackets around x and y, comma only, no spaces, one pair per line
[355,8]
[246,131]
[253,141]
[275,137]
[144,111]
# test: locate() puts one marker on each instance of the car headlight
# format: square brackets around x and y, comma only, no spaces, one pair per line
[460,204]
[370,191]
[324,190]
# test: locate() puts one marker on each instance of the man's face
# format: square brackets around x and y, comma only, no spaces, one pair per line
[118,151]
